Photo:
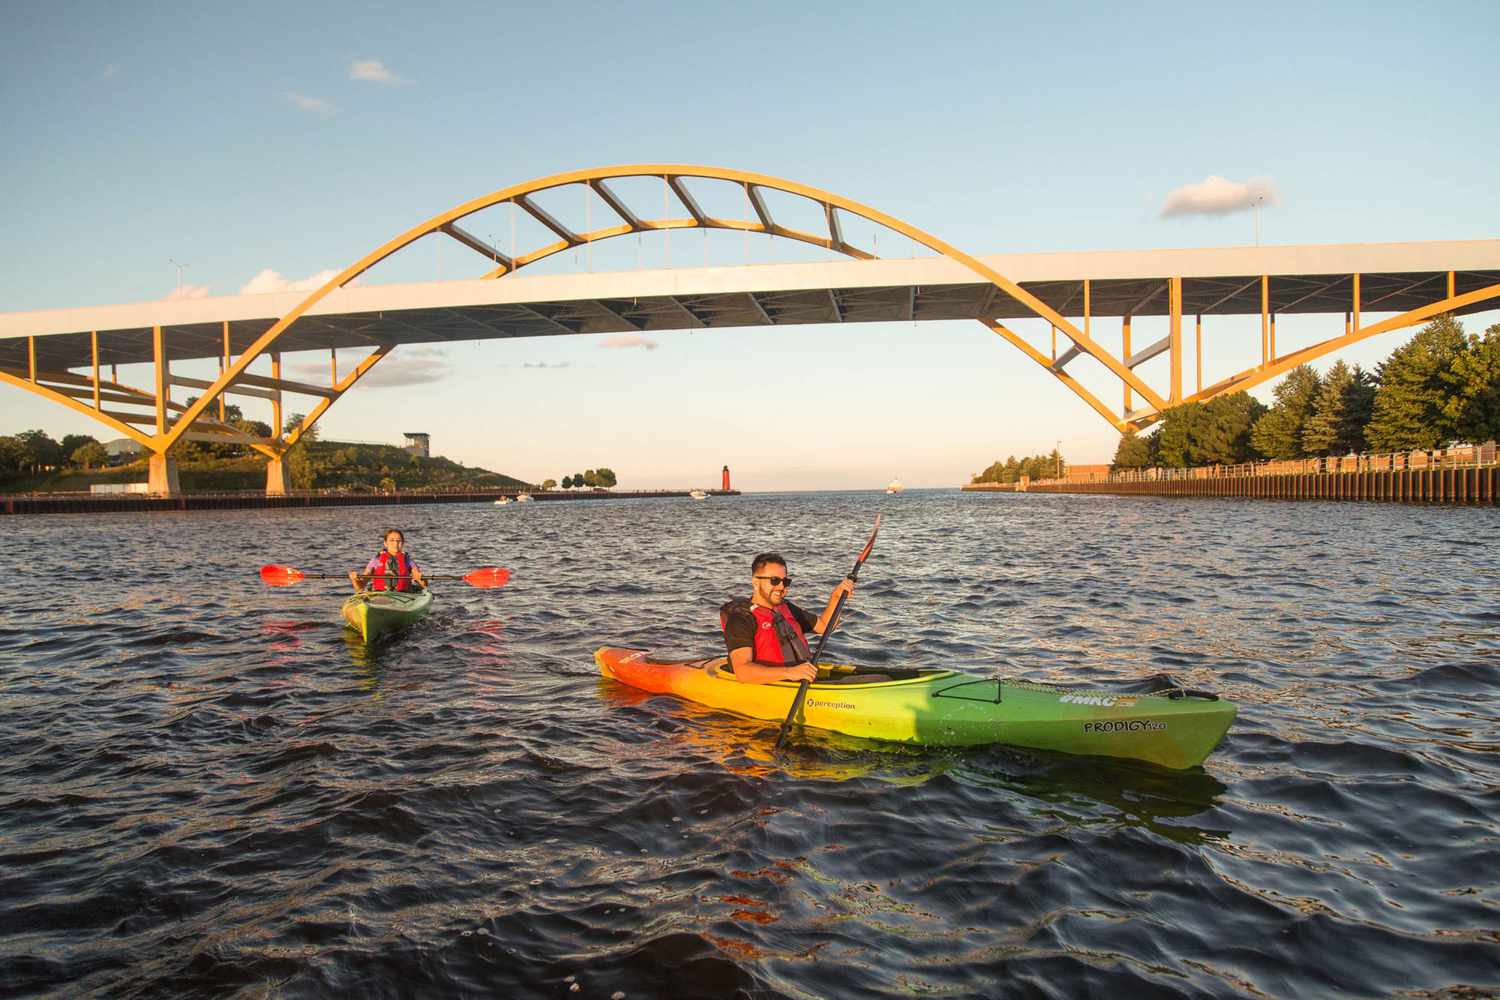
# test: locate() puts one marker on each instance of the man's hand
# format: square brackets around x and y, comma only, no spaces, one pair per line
[845,586]
[800,672]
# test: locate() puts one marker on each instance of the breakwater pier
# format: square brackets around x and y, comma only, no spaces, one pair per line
[93,503]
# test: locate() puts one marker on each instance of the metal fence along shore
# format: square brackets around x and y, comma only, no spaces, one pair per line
[1466,474]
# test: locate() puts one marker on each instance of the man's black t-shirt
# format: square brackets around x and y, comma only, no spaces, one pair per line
[739,627]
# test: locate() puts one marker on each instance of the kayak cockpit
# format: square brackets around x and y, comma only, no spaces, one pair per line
[834,675]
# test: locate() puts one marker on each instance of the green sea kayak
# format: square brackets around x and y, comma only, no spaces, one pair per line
[375,613]
[945,708]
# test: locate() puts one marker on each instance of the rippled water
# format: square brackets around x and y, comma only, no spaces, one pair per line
[208,790]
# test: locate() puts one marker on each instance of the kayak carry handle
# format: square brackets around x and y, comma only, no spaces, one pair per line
[1177,694]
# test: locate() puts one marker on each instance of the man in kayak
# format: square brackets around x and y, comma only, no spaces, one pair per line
[390,569]
[767,634]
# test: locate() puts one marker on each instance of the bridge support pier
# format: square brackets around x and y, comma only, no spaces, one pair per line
[161,475]
[275,478]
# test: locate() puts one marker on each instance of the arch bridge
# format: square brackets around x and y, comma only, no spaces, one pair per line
[63,355]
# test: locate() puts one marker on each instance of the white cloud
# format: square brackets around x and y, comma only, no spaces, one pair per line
[187,292]
[410,366]
[110,70]
[414,365]
[272,281]
[1216,196]
[372,70]
[624,340]
[315,105]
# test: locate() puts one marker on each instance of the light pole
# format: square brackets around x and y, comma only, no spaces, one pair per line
[1258,199]
[1057,450]
[179,270]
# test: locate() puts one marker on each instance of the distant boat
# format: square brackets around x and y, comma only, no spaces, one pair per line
[698,494]
[502,501]
[523,498]
[894,487]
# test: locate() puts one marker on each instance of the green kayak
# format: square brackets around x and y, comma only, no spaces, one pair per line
[375,613]
[1174,728]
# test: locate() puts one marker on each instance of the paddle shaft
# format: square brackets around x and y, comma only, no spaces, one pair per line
[378,576]
[833,619]
[484,578]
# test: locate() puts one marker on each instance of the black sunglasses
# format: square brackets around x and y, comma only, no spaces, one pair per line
[776,581]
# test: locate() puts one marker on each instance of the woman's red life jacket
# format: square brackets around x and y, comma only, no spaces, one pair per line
[779,640]
[397,566]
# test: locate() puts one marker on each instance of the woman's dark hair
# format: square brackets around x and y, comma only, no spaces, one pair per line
[765,559]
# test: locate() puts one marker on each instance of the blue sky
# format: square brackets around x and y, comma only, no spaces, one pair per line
[237,139]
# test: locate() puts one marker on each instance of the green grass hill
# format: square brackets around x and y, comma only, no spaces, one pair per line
[333,465]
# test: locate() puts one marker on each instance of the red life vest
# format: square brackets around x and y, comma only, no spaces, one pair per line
[398,566]
[779,640]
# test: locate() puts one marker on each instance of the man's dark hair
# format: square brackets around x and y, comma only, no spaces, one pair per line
[764,559]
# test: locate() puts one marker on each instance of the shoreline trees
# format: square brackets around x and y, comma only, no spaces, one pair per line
[1439,388]
[1012,469]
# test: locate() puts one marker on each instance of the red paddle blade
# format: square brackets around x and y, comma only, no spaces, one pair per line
[871,543]
[487,577]
[280,576]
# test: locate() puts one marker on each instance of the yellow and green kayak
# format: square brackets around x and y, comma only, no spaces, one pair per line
[375,613]
[1175,728]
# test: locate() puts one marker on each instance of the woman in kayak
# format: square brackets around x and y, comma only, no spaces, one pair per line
[767,634]
[390,569]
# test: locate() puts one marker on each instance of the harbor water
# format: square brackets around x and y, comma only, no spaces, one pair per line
[208,788]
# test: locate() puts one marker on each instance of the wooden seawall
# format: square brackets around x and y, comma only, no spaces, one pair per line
[1388,481]
[1471,485]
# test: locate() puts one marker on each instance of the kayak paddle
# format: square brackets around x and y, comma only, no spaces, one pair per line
[823,639]
[485,578]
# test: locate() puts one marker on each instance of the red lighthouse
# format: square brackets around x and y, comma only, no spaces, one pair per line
[726,479]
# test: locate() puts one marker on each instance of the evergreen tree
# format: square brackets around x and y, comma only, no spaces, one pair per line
[1226,438]
[1358,408]
[1279,433]
[1174,439]
[1213,433]
[1473,405]
[1336,425]
[1408,411]
[1133,452]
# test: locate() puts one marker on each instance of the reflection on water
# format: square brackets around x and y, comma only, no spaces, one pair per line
[215,789]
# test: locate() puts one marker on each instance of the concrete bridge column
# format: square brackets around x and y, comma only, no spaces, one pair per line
[275,478]
[161,475]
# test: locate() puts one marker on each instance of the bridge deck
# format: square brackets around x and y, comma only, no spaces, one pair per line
[1394,277]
